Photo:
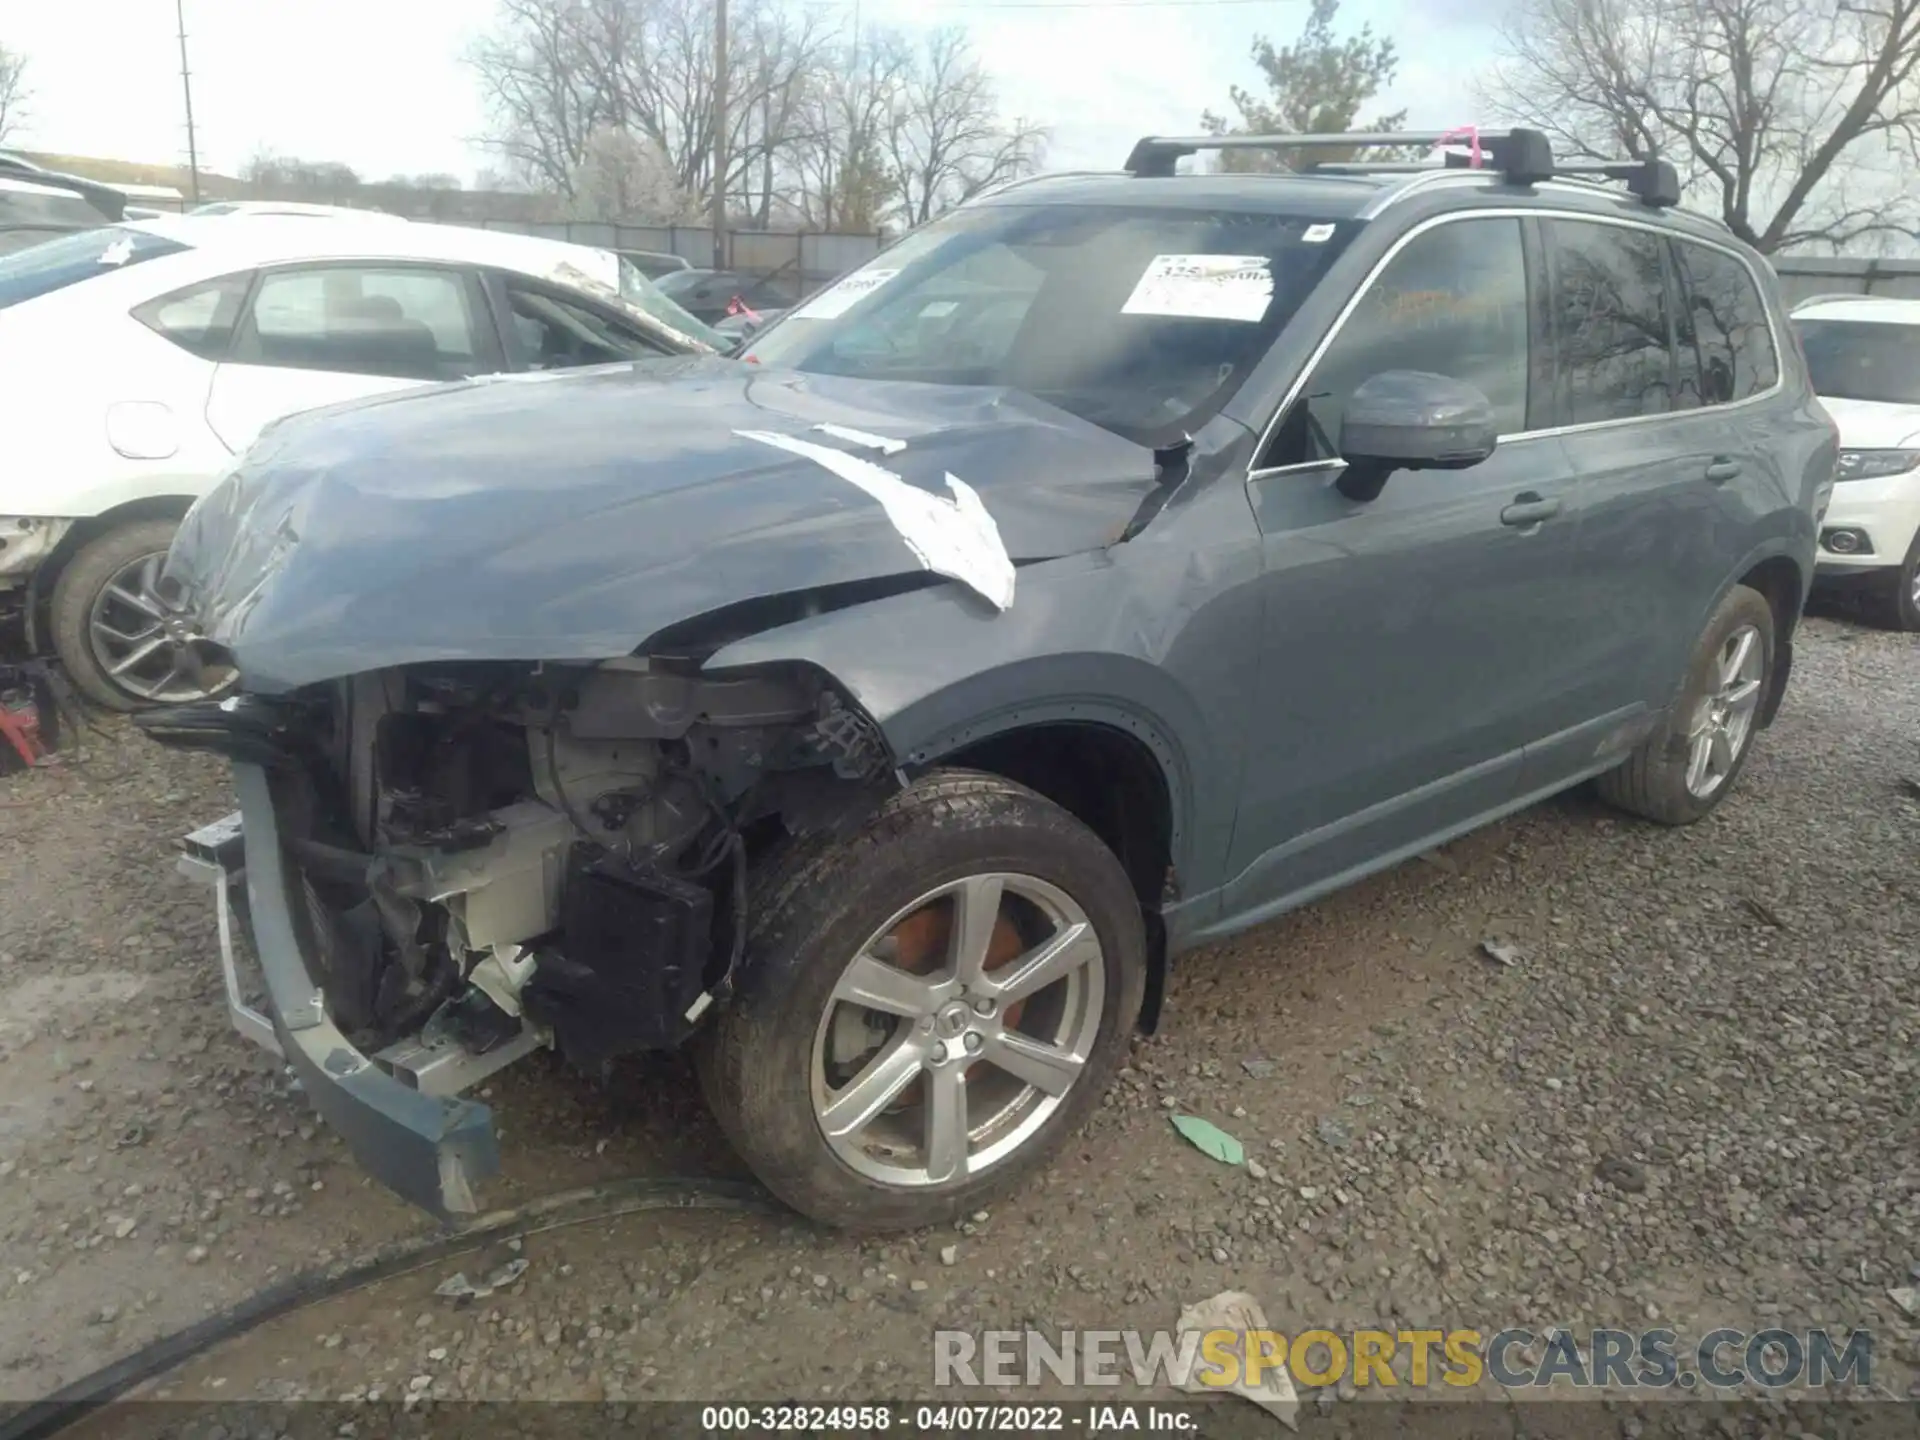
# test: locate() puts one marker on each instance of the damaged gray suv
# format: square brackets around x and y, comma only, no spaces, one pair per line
[1107,567]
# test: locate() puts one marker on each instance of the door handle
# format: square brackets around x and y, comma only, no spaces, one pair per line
[1722,469]
[1529,509]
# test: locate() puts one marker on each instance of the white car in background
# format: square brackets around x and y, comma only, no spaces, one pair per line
[139,359]
[1865,357]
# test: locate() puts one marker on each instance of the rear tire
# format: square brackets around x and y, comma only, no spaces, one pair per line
[1669,778]
[876,911]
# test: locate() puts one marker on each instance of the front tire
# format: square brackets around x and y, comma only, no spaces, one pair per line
[932,1005]
[1898,606]
[117,632]
[1688,765]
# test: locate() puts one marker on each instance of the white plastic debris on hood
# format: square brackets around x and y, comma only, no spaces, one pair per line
[1236,1311]
[956,538]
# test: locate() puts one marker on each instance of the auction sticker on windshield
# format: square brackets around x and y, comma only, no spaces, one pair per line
[836,300]
[1204,287]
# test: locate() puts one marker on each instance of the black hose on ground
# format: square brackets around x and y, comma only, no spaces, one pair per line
[72,1403]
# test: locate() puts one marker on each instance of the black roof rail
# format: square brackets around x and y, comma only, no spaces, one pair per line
[1652,181]
[1523,156]
[108,201]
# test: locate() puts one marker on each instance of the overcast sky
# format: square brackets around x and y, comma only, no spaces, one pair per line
[379,85]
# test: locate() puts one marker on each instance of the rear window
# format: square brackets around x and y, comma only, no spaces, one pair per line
[1862,360]
[56,264]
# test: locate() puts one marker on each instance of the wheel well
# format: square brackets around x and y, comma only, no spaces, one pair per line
[1112,784]
[1778,579]
[40,589]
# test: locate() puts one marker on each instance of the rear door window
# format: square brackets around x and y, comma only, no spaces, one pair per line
[1608,316]
[1723,341]
[405,322]
[58,263]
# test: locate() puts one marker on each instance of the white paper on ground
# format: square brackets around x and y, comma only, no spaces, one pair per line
[1237,1311]
[956,538]
[1204,287]
[837,299]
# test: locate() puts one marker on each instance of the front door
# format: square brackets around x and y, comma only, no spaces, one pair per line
[1411,643]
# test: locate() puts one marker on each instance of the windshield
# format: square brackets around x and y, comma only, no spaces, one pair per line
[1142,321]
[1862,360]
[682,280]
[55,264]
[644,294]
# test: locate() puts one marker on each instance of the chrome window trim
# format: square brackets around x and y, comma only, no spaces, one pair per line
[1519,212]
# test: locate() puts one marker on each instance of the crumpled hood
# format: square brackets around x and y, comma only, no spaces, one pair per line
[570,517]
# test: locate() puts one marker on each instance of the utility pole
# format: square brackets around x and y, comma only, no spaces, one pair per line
[719,134]
[186,86]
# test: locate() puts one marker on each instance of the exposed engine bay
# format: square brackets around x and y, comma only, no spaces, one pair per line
[488,851]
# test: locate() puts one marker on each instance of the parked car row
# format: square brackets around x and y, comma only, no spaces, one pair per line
[878,711]
[162,348]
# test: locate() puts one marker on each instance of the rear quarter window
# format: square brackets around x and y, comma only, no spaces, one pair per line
[66,261]
[1723,338]
[198,318]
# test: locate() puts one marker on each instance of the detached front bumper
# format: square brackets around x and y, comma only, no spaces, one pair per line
[399,1111]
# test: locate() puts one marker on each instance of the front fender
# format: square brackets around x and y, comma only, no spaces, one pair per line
[1142,638]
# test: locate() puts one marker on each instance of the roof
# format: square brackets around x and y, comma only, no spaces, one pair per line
[286,207]
[255,239]
[1321,197]
[1331,195]
[1868,309]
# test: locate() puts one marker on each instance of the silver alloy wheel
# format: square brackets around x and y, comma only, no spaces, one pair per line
[946,1074]
[140,638]
[1913,588]
[1723,720]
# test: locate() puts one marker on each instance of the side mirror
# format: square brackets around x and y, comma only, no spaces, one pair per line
[1412,420]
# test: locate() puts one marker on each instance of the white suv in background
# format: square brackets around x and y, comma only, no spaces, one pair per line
[1865,357]
[141,358]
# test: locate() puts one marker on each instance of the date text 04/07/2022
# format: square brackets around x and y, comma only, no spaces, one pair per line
[949,1419]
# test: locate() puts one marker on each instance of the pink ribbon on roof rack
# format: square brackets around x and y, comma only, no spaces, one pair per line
[1468,133]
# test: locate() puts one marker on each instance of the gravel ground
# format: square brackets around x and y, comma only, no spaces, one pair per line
[1694,1101]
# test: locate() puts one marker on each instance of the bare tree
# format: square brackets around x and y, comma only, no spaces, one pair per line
[556,73]
[845,179]
[946,140]
[1796,119]
[545,86]
[13,91]
[623,176]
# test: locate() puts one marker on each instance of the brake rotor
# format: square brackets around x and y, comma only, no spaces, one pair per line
[920,947]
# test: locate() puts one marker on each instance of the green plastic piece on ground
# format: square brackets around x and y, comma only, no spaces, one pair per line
[1210,1139]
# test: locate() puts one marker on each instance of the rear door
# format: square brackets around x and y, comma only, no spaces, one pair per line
[315,335]
[1645,371]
